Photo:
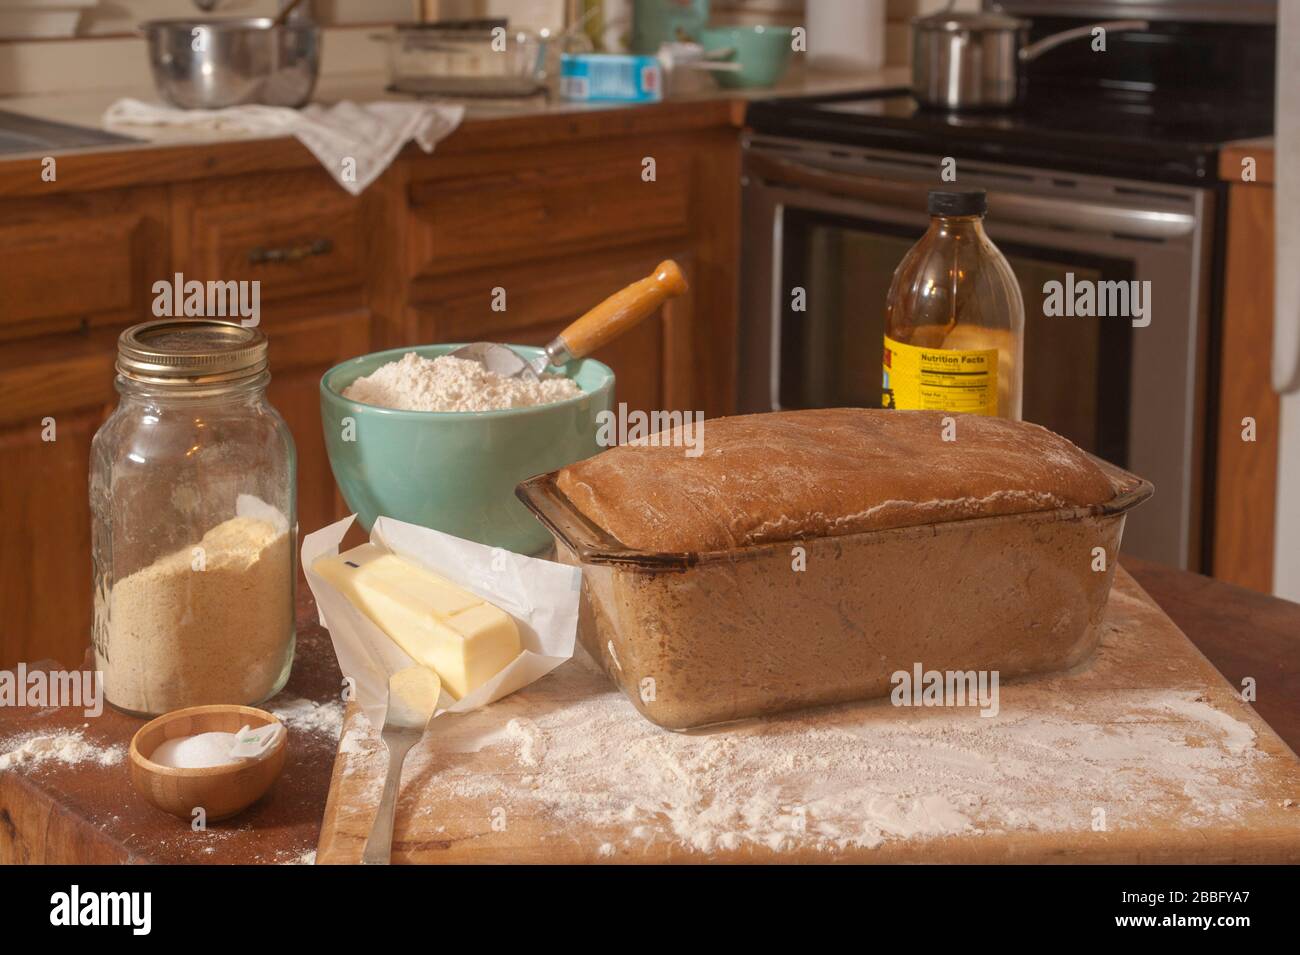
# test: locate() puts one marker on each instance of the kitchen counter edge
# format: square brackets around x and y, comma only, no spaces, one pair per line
[485,128]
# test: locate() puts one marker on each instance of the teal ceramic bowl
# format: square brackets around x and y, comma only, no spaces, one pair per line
[762,52]
[456,471]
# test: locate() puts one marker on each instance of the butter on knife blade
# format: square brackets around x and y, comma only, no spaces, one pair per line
[458,635]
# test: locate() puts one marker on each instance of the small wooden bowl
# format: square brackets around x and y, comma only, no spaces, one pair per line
[222,791]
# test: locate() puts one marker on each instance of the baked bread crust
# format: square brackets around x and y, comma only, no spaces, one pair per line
[794,475]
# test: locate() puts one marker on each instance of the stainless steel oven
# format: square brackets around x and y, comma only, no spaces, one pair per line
[825,225]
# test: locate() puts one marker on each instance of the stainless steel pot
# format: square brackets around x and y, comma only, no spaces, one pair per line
[971,60]
[211,64]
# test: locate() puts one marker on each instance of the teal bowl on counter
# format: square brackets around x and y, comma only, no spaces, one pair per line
[456,471]
[763,53]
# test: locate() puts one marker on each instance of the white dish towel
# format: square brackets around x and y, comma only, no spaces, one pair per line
[355,143]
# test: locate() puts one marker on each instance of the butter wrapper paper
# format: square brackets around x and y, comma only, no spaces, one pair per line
[541,595]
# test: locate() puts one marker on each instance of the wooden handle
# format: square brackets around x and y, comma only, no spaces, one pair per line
[623,309]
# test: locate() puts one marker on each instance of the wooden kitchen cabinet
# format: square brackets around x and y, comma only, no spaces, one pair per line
[300,352]
[559,204]
[555,211]
[66,382]
[1245,488]
[541,299]
[560,227]
[72,261]
[297,234]
[54,394]
[74,270]
[85,266]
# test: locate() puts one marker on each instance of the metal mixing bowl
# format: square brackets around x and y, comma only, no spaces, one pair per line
[211,64]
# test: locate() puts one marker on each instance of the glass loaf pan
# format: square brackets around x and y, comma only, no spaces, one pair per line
[700,638]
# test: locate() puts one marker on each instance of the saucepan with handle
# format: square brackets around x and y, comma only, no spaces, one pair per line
[975,60]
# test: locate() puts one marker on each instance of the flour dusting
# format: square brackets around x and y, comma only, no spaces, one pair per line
[308,715]
[70,748]
[415,383]
[851,776]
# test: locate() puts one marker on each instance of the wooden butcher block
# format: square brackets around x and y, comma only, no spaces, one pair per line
[1143,754]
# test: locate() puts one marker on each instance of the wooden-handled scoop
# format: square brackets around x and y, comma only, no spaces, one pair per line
[596,328]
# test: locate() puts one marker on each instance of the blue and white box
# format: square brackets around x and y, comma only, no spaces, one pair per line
[610,77]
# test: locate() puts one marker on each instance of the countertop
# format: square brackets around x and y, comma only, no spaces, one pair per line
[490,127]
[1262,150]
[87,813]
[87,108]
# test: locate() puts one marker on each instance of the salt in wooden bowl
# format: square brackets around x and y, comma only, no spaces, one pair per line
[221,791]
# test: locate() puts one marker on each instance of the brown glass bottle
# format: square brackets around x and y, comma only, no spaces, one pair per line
[954,318]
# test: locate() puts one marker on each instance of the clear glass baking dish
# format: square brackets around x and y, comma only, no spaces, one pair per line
[481,61]
[699,638]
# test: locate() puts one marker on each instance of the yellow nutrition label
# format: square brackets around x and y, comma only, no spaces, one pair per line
[940,379]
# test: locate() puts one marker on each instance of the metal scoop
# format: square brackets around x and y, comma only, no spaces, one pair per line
[595,329]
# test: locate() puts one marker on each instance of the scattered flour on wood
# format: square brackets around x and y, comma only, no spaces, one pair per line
[70,747]
[850,776]
[415,383]
[530,739]
[308,715]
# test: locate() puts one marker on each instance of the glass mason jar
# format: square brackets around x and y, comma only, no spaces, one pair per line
[192,494]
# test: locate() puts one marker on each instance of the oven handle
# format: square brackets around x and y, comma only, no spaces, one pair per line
[1009,207]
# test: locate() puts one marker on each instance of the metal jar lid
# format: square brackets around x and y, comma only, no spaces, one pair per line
[195,351]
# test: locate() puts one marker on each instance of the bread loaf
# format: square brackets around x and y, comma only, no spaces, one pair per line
[828,472]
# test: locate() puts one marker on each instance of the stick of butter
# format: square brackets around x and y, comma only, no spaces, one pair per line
[461,637]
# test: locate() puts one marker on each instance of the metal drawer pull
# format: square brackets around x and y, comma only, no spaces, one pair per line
[290,253]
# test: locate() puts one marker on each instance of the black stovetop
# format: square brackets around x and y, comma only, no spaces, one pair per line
[1172,138]
[1156,106]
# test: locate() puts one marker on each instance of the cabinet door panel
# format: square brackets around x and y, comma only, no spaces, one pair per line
[300,352]
[652,362]
[45,571]
[533,205]
[70,261]
[636,359]
[297,234]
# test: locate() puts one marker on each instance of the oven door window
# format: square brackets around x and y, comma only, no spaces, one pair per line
[1076,369]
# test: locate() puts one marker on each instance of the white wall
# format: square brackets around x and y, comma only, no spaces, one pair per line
[1286,546]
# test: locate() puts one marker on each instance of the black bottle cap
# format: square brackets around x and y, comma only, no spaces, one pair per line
[970,202]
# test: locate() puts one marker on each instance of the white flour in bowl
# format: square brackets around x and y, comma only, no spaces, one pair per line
[444,383]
